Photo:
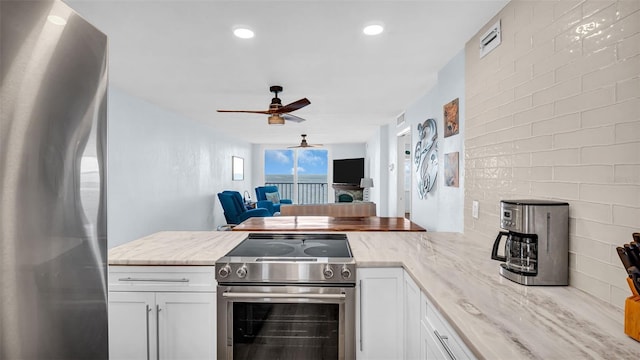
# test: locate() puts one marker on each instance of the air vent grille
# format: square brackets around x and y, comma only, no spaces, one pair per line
[400,120]
[491,39]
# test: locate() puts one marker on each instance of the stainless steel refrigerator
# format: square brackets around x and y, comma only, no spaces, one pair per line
[53,229]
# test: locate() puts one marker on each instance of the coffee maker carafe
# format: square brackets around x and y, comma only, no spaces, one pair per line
[536,251]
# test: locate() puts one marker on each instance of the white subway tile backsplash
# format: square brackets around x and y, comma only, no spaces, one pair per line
[628,89]
[626,132]
[562,123]
[629,47]
[584,173]
[556,190]
[610,35]
[591,285]
[591,7]
[626,174]
[538,83]
[606,233]
[583,137]
[627,7]
[590,211]
[616,194]
[556,157]
[589,247]
[586,100]
[620,71]
[607,272]
[587,63]
[571,130]
[561,90]
[626,216]
[628,153]
[621,112]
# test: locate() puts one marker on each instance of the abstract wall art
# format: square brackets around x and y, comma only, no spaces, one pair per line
[426,157]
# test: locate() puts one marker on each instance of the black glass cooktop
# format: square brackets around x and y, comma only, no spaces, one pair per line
[293,245]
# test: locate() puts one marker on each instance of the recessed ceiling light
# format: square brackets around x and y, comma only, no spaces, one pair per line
[55,19]
[373,29]
[243,33]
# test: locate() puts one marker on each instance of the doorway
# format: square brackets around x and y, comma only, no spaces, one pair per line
[404,174]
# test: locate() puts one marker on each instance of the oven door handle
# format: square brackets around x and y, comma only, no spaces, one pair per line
[235,295]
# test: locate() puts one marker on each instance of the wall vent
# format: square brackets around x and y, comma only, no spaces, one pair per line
[490,40]
[400,120]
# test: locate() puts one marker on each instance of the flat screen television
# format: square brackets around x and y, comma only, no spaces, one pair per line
[348,171]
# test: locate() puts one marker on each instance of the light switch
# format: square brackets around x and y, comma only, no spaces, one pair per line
[474,209]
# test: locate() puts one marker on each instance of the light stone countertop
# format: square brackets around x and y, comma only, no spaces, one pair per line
[497,318]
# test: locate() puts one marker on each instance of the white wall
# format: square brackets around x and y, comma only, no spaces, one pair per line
[164,170]
[442,209]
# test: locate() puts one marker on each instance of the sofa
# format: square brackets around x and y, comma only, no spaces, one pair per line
[352,209]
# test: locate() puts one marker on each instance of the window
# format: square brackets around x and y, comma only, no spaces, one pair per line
[300,174]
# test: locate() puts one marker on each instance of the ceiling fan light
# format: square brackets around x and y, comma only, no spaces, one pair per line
[276,120]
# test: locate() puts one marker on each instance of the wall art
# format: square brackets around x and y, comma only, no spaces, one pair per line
[451,166]
[451,118]
[426,157]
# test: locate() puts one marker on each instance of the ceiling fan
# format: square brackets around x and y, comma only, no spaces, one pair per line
[277,112]
[304,143]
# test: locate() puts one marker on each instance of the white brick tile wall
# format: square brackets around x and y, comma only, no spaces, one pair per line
[554,112]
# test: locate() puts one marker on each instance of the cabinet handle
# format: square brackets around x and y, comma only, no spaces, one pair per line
[153,280]
[361,328]
[158,332]
[148,347]
[442,338]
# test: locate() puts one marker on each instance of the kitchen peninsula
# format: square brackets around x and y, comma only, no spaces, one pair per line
[496,318]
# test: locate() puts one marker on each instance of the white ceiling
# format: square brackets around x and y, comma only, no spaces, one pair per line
[182,56]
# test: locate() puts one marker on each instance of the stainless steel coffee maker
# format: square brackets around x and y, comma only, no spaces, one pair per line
[536,251]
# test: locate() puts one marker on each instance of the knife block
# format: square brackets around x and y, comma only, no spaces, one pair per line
[632,317]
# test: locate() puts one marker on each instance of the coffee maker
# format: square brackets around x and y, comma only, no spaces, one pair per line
[536,251]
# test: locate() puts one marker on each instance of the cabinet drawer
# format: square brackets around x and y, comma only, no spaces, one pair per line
[162,278]
[443,334]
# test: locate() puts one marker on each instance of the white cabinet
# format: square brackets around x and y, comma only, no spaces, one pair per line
[160,312]
[439,340]
[412,331]
[379,313]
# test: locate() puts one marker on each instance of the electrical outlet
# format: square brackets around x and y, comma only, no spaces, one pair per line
[474,209]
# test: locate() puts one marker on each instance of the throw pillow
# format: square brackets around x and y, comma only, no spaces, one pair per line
[274,197]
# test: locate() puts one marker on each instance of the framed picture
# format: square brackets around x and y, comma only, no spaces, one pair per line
[451,118]
[451,164]
[237,168]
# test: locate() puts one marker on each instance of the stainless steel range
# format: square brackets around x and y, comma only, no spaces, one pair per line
[287,296]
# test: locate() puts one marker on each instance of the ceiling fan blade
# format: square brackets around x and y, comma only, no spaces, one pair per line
[293,106]
[293,118]
[267,112]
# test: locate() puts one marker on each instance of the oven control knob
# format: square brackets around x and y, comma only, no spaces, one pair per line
[327,272]
[242,271]
[346,273]
[224,271]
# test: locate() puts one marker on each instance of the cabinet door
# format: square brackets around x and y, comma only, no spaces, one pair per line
[412,324]
[187,325]
[379,313]
[132,325]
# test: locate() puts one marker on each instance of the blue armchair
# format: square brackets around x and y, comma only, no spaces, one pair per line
[265,198]
[234,210]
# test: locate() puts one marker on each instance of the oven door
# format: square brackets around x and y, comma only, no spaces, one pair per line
[286,322]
